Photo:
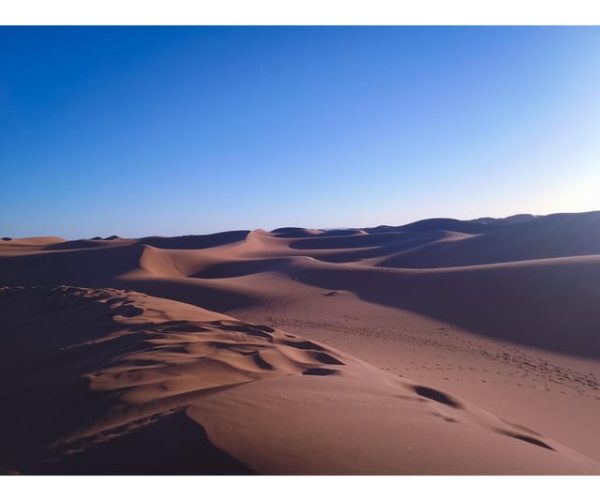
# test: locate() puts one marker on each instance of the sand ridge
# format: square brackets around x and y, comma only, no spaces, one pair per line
[243,383]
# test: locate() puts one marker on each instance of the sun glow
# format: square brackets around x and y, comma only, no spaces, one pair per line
[582,194]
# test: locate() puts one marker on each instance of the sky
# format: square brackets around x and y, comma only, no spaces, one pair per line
[187,130]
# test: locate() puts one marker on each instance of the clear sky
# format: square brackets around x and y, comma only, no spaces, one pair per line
[140,131]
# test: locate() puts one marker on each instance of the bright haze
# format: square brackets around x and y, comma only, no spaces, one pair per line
[138,131]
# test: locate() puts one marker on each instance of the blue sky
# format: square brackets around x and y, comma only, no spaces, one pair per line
[180,130]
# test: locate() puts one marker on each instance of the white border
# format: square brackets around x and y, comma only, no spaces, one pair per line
[313,12]
[300,487]
[319,12]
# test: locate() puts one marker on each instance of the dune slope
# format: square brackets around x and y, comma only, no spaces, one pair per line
[109,381]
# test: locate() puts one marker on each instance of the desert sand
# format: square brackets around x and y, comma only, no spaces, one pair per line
[438,347]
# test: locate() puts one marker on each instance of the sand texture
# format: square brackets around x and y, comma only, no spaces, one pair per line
[439,347]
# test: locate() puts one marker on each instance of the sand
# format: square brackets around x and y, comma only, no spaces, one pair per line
[440,347]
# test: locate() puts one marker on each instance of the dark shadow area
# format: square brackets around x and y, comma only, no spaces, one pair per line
[165,242]
[101,268]
[52,338]
[300,232]
[326,242]
[173,445]
[43,336]
[252,330]
[190,291]
[234,269]
[303,344]
[415,245]
[77,244]
[195,241]
[319,371]
[328,359]
[528,439]
[293,232]
[558,235]
[552,305]
[434,394]
[396,243]
[128,311]
[454,225]
[94,268]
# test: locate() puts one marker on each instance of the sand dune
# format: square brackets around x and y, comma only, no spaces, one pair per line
[505,303]
[126,368]
[558,235]
[542,302]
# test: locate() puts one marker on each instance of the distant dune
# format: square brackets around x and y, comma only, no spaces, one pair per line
[411,347]
[560,235]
